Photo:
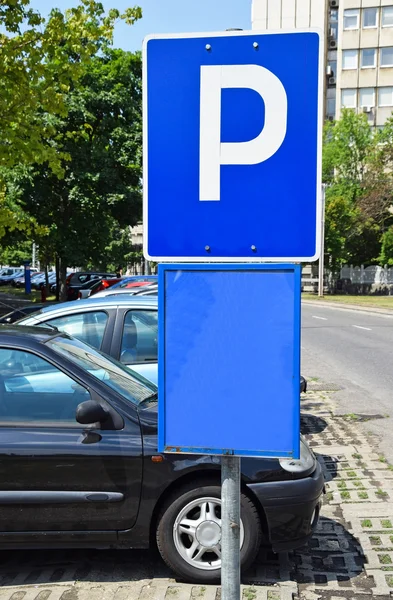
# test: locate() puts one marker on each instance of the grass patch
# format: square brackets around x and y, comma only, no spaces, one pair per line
[386,523]
[381,494]
[249,594]
[375,540]
[356,455]
[366,523]
[363,495]
[358,484]
[382,459]
[272,595]
[342,485]
[329,496]
[385,559]
[372,301]
[345,495]
[19,293]
[351,474]
[389,581]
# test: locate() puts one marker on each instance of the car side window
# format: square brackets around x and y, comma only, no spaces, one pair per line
[34,391]
[88,327]
[139,342]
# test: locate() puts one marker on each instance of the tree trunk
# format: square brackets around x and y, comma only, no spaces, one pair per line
[62,280]
[47,279]
[57,277]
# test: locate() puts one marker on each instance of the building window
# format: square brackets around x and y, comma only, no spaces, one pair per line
[370,17]
[334,14]
[385,96]
[350,59]
[387,16]
[387,57]
[368,58]
[334,31]
[333,68]
[351,18]
[348,98]
[331,107]
[367,97]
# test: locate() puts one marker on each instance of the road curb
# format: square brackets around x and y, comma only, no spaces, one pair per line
[365,309]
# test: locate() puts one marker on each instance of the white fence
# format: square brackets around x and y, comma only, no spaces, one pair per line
[372,275]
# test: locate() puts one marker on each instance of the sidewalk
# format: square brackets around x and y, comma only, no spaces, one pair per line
[350,556]
[358,307]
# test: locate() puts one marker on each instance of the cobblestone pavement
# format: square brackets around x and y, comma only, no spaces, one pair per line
[350,556]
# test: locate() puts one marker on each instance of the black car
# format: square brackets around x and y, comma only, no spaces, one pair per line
[20,313]
[80,467]
[73,290]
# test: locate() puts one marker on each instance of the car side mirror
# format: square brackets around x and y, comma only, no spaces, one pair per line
[90,412]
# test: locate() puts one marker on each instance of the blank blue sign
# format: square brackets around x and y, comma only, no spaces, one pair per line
[229,359]
[232,146]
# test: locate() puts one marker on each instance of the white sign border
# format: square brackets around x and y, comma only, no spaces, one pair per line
[321,88]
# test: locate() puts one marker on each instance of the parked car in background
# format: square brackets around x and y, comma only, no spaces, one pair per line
[83,433]
[39,281]
[77,291]
[81,277]
[20,281]
[9,275]
[132,279]
[149,290]
[20,313]
[123,326]
[99,286]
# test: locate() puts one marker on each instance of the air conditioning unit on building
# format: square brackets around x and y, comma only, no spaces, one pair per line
[330,118]
[367,109]
[332,81]
[333,3]
[332,44]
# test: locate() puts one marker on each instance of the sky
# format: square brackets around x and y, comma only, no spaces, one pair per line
[168,16]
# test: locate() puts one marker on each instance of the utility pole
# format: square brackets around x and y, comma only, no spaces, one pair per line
[322,252]
[33,256]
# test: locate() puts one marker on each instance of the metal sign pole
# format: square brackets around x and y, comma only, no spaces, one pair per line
[321,275]
[230,528]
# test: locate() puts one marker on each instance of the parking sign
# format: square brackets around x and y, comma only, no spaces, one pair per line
[232,146]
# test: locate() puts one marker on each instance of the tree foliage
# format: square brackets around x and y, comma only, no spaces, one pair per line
[40,61]
[100,191]
[357,171]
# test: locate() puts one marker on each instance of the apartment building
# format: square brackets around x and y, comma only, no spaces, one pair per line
[359,49]
[365,58]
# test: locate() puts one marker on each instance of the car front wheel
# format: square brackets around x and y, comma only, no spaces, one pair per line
[189,533]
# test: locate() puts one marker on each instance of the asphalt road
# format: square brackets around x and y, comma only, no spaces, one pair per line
[354,350]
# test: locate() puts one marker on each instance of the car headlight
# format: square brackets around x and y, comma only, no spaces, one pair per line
[306,462]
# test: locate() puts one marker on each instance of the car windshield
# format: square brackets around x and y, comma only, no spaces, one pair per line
[118,377]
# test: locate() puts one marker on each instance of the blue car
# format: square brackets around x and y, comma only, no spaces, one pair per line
[9,278]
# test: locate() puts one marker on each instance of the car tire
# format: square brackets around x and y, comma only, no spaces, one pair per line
[173,541]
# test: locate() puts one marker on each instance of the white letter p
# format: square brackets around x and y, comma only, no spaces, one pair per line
[213,153]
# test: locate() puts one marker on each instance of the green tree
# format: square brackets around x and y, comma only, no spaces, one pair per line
[101,187]
[41,60]
[349,147]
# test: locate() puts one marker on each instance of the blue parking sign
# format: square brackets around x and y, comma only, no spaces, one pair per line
[232,146]
[229,359]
